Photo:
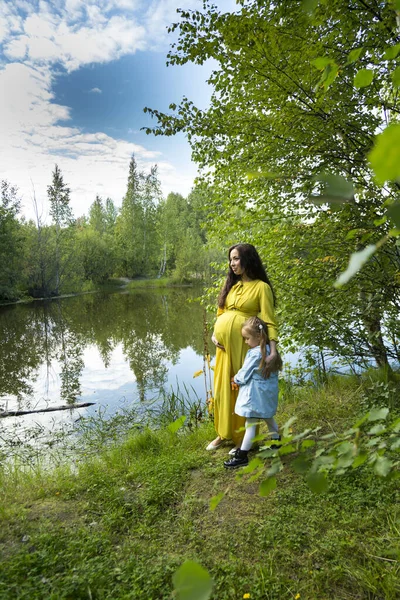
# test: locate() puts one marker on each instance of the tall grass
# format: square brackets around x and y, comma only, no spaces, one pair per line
[134,503]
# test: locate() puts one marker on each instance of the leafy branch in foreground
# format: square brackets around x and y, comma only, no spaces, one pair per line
[373,440]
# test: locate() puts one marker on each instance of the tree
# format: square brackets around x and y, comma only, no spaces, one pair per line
[129,225]
[297,101]
[10,243]
[97,216]
[61,213]
[110,215]
[136,224]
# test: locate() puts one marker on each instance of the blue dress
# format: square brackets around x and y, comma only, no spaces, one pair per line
[258,397]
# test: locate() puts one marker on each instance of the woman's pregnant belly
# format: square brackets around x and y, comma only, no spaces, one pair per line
[228,328]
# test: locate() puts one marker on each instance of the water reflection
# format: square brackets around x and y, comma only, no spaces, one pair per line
[47,349]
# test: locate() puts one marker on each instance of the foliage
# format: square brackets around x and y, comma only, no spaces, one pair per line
[286,143]
[136,224]
[10,242]
[42,260]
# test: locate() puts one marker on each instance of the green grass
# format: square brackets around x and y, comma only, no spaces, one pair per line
[120,521]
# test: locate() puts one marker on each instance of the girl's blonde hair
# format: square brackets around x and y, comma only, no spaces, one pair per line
[258,328]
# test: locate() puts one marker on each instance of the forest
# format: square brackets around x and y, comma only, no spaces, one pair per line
[149,236]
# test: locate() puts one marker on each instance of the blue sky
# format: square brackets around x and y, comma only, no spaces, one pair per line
[75,76]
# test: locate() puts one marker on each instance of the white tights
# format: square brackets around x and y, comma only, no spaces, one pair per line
[251,431]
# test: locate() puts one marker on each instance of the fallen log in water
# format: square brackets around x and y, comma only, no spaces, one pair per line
[17,413]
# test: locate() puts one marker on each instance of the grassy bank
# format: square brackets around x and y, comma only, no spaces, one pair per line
[161,282]
[119,522]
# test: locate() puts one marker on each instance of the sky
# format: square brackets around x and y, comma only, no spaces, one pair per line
[75,76]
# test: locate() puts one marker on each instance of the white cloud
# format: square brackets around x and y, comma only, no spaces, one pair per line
[32,142]
[48,38]
[72,33]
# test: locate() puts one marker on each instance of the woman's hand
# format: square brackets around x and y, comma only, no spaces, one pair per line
[216,342]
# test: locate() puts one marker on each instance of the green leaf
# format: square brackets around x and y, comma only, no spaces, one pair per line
[215,500]
[360,421]
[258,174]
[360,459]
[176,425]
[378,414]
[335,186]
[354,233]
[393,212]
[396,77]
[267,486]
[363,78]
[287,425]
[317,482]
[344,461]
[329,75]
[395,445]
[307,444]
[381,221]
[254,464]
[382,466]
[192,582]
[392,52]
[309,5]
[377,429]
[385,155]
[301,465]
[354,55]
[321,62]
[344,448]
[275,468]
[396,426]
[357,260]
[289,449]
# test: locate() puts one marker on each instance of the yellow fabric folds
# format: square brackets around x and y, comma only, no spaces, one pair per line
[245,299]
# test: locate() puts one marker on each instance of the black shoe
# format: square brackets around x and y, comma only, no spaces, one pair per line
[275,446]
[238,460]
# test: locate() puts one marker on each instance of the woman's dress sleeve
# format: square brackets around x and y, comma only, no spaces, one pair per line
[267,312]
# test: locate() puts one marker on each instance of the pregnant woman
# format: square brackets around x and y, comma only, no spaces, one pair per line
[247,293]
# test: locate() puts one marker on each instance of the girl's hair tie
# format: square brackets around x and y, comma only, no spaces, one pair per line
[260,326]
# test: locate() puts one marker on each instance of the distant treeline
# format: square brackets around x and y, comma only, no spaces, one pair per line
[148,236]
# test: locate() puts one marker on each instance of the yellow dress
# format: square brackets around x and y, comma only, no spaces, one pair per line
[245,299]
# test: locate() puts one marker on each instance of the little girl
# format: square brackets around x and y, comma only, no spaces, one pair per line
[258,388]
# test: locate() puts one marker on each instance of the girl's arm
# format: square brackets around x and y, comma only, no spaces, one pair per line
[251,364]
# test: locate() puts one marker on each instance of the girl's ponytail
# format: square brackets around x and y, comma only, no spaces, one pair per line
[258,327]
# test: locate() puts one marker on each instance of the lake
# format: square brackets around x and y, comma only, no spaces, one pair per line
[114,349]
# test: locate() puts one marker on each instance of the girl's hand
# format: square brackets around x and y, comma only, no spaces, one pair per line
[234,385]
[216,342]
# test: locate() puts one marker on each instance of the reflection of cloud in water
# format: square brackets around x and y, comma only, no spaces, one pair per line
[95,376]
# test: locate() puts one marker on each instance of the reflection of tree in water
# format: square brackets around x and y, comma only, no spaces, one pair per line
[68,351]
[152,325]
[147,358]
[20,355]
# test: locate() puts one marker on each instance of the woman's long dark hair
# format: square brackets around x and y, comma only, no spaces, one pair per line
[250,261]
